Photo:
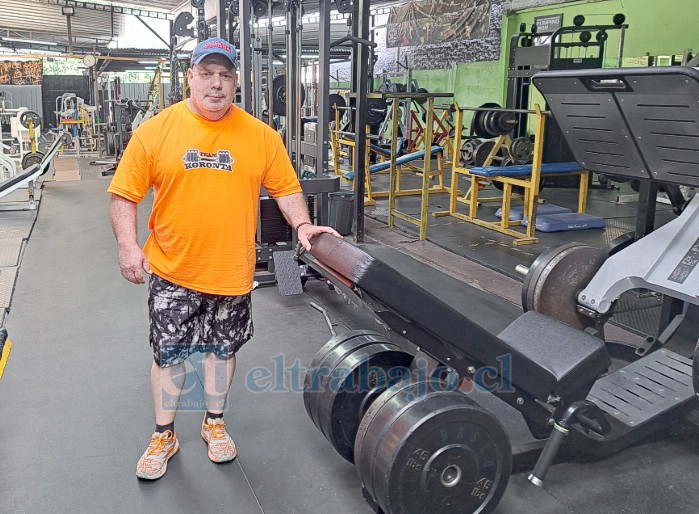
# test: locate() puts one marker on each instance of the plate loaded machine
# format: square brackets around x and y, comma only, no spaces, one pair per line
[419,443]
[578,46]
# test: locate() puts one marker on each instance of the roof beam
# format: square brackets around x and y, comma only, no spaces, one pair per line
[117,9]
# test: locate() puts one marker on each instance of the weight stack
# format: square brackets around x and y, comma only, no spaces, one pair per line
[271,225]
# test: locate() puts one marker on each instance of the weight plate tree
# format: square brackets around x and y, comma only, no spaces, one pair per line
[553,282]
[422,450]
[347,374]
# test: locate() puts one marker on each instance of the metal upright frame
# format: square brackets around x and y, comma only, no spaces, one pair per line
[295,145]
[245,58]
[360,84]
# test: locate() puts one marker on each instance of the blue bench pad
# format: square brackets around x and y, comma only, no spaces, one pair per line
[525,170]
[403,159]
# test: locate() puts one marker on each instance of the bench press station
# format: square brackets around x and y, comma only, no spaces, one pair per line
[523,177]
[399,412]
[393,160]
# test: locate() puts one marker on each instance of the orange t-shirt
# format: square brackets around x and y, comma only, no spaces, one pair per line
[206,178]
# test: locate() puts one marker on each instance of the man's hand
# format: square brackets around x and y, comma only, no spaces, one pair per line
[307,233]
[132,263]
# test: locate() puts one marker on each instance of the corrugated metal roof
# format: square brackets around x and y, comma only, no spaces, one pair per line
[43,19]
[46,22]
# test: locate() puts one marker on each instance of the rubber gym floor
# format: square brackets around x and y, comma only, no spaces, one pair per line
[75,405]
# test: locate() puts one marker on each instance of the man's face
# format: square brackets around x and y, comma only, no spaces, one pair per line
[212,85]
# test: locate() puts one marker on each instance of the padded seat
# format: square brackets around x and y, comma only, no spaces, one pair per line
[450,315]
[571,357]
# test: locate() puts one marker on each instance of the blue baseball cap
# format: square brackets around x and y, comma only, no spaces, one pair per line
[212,46]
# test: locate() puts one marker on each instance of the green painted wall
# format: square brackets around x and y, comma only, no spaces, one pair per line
[478,83]
[655,28]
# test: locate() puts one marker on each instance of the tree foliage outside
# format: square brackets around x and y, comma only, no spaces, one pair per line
[53,66]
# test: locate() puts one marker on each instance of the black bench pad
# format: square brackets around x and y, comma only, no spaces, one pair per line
[571,357]
[437,309]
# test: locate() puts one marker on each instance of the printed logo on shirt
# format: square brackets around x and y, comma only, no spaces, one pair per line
[220,160]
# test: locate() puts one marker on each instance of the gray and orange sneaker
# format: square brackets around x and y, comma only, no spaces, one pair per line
[153,463]
[221,447]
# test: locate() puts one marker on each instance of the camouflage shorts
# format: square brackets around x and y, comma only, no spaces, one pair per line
[183,322]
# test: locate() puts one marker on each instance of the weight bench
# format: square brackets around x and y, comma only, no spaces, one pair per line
[443,308]
[525,177]
[503,174]
[403,159]
[401,162]
[29,176]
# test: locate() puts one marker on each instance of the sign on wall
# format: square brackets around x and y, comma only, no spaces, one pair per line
[548,24]
[17,73]
[427,22]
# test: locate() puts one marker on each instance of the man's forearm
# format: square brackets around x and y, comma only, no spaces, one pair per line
[294,209]
[123,215]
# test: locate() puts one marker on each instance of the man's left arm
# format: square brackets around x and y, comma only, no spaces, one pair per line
[296,213]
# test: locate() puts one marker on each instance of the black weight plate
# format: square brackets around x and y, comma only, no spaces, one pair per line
[437,452]
[259,7]
[477,127]
[377,108]
[365,373]
[330,353]
[421,90]
[619,19]
[468,150]
[579,20]
[554,280]
[522,149]
[504,122]
[336,100]
[488,123]
[483,151]
[585,36]
[279,95]
[25,116]
[31,159]
[366,444]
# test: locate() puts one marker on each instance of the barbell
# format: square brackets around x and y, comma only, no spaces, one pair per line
[492,123]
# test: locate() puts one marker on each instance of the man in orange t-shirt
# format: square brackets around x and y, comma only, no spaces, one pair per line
[206,161]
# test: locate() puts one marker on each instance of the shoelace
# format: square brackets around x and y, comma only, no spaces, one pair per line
[218,431]
[157,443]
